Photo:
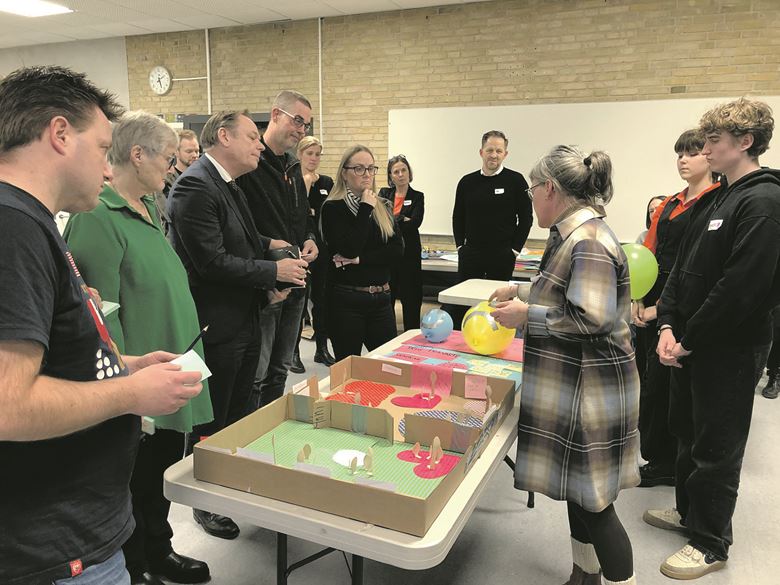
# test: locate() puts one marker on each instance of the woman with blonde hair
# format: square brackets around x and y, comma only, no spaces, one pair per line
[364,241]
[577,433]
[318,187]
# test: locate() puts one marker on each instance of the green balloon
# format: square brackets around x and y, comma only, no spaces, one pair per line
[642,269]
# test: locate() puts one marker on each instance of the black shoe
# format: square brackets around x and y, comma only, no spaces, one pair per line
[216,525]
[297,364]
[180,569]
[322,356]
[653,475]
[145,579]
[772,388]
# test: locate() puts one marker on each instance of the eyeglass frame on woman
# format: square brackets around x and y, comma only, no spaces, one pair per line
[298,121]
[374,170]
[530,190]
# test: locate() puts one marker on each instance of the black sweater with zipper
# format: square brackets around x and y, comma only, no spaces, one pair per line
[278,199]
[726,279]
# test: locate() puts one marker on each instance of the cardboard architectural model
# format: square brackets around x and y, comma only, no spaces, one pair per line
[377,448]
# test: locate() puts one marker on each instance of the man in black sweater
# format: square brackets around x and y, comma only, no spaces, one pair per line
[715,331]
[491,218]
[279,204]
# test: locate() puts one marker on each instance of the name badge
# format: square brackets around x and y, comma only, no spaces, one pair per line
[407,202]
[714,224]
[323,191]
[499,191]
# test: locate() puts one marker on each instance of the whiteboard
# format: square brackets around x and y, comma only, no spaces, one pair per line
[442,145]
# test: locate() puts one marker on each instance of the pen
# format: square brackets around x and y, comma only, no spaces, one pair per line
[194,341]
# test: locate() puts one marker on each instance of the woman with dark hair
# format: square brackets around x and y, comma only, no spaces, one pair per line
[364,241]
[408,208]
[577,433]
[667,227]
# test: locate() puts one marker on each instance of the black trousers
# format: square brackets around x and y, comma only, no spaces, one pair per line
[773,361]
[406,286]
[658,444]
[710,412]
[233,366]
[151,539]
[609,539]
[484,263]
[357,318]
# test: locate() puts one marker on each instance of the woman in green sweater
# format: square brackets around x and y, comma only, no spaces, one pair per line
[121,250]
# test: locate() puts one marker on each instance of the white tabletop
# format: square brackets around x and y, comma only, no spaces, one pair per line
[472,291]
[440,265]
[366,540]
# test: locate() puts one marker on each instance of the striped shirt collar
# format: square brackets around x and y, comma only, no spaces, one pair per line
[352,201]
[574,217]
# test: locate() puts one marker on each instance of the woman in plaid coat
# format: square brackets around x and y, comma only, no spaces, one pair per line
[577,434]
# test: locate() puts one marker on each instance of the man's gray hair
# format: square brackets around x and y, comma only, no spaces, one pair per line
[287,97]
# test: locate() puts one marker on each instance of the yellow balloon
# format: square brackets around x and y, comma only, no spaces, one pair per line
[483,333]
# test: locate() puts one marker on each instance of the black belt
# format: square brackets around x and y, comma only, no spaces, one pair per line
[373,289]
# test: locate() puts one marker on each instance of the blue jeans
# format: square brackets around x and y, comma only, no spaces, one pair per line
[279,325]
[110,572]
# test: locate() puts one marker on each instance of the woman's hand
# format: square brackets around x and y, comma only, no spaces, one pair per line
[505,293]
[340,261]
[369,197]
[511,314]
[275,296]
[649,314]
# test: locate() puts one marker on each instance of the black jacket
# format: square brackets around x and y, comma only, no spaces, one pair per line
[726,279]
[414,209]
[221,249]
[278,199]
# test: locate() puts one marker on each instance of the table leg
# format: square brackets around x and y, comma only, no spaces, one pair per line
[357,570]
[281,559]
[531,502]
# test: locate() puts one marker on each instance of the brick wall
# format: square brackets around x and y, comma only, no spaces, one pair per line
[502,52]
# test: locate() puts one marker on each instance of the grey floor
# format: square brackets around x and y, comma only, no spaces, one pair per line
[505,542]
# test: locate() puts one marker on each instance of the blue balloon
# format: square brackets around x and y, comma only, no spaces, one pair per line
[436,325]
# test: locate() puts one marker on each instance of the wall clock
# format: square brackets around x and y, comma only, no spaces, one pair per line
[160,80]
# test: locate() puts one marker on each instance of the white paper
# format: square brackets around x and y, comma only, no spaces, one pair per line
[309,468]
[264,457]
[382,485]
[108,307]
[300,386]
[392,369]
[191,362]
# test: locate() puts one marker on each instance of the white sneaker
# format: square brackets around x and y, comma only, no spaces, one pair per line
[690,563]
[666,519]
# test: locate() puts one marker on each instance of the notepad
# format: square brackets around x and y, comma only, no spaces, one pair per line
[191,362]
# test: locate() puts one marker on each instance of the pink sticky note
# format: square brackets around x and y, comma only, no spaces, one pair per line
[409,357]
[428,352]
[475,386]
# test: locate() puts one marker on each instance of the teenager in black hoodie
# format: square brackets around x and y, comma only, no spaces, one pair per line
[714,330]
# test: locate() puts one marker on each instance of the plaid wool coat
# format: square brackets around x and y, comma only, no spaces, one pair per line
[577,434]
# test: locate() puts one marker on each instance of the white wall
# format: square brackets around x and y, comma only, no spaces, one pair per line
[442,145]
[103,60]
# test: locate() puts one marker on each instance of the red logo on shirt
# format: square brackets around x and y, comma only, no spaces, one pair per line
[76,567]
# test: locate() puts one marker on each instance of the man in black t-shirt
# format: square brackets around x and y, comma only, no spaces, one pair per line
[69,402]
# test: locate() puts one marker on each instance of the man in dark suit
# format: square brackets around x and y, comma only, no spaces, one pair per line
[213,232]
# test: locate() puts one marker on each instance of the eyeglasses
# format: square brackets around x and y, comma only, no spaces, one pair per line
[530,190]
[361,171]
[298,121]
[172,161]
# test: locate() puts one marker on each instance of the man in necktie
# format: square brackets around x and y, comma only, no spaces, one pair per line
[213,232]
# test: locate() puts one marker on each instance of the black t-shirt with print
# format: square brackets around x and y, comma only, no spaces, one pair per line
[64,502]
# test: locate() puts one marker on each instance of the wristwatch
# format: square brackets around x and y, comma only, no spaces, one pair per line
[663,328]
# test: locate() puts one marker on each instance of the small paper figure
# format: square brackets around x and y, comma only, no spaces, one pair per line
[368,464]
[435,446]
[357,398]
[301,456]
[489,396]
[416,450]
[273,446]
[353,465]
[306,451]
[433,385]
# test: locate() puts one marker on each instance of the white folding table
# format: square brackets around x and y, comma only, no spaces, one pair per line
[343,534]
